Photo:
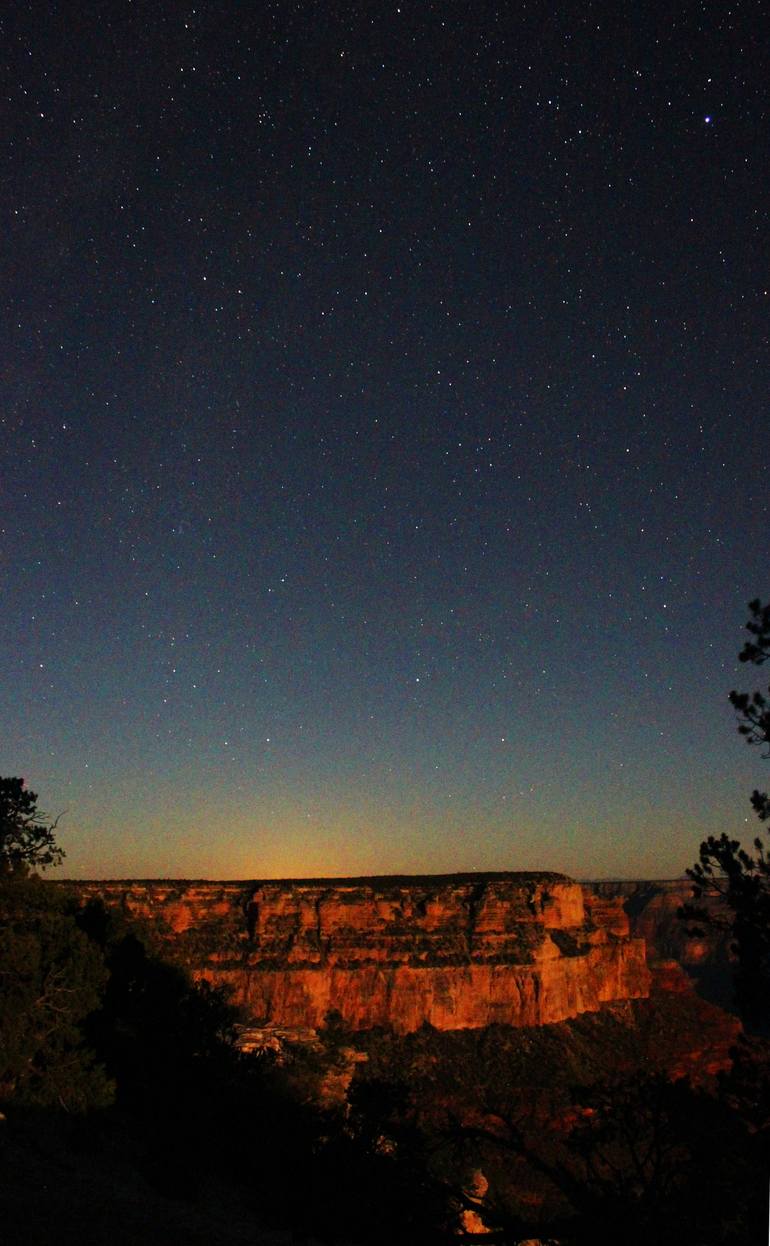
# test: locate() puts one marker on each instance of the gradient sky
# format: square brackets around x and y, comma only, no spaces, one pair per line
[383,441]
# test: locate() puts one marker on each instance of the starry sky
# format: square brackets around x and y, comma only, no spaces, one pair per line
[383,431]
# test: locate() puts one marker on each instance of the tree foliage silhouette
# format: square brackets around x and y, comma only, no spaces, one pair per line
[27,839]
[639,1163]
[51,980]
[51,975]
[741,877]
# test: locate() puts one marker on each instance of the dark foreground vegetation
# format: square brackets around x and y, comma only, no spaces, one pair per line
[133,1117]
[130,1114]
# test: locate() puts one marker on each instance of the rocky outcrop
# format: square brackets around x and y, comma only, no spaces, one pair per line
[456,951]
[652,911]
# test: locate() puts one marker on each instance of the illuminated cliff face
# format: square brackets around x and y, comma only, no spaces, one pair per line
[456,951]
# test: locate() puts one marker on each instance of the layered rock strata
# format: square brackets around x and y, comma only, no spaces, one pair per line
[456,951]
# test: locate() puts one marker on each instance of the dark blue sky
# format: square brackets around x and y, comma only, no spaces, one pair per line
[384,432]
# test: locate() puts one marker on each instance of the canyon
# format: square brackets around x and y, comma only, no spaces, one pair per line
[652,909]
[454,951]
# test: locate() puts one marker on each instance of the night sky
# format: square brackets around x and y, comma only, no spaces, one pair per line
[384,432]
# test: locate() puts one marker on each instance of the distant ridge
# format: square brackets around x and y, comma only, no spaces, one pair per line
[358,880]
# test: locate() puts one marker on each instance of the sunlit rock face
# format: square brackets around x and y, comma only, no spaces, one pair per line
[456,951]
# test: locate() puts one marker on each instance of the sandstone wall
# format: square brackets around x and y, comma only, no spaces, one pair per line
[456,951]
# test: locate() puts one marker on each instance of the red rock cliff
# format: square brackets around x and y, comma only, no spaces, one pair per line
[457,951]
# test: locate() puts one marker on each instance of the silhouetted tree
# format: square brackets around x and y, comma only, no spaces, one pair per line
[27,839]
[51,975]
[644,1159]
[51,978]
[740,877]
